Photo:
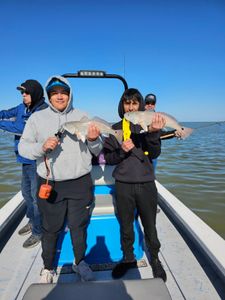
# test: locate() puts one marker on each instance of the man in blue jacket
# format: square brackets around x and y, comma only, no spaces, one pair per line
[14,120]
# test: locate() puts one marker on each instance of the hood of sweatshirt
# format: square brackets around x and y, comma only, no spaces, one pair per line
[65,81]
[139,98]
[34,88]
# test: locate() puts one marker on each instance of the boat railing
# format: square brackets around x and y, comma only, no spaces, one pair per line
[10,216]
[204,237]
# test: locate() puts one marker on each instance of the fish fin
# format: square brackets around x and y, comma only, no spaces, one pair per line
[67,126]
[169,116]
[97,119]
[143,125]
[84,119]
[81,137]
[119,135]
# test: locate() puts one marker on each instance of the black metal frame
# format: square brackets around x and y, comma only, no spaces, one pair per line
[103,75]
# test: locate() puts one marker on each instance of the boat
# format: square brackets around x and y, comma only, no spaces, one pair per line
[191,252]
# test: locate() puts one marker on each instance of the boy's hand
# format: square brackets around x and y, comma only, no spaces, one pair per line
[93,132]
[158,122]
[50,144]
[178,134]
[127,145]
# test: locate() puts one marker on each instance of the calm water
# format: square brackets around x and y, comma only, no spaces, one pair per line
[10,171]
[193,170]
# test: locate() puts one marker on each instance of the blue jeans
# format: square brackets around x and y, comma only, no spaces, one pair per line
[29,192]
[154,162]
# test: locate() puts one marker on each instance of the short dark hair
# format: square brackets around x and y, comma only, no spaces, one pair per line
[150,99]
[131,94]
[128,95]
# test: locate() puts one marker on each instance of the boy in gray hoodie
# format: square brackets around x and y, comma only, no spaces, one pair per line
[69,163]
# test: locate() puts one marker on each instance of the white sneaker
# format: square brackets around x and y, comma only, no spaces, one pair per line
[47,276]
[82,269]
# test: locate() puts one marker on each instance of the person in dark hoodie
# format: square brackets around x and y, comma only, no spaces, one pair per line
[13,121]
[135,188]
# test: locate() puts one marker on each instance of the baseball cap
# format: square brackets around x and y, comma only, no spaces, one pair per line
[150,99]
[57,83]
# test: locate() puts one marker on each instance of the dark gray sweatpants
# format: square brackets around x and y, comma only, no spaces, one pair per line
[76,211]
[140,197]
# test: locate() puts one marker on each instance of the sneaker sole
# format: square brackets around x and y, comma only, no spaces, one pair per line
[31,246]
[24,233]
[78,274]
[74,268]
[46,282]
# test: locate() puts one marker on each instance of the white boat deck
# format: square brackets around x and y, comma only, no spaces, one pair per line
[185,277]
[182,234]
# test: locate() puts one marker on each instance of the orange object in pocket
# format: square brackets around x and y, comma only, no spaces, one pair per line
[45,191]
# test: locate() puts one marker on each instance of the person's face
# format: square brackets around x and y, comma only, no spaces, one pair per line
[131,105]
[26,99]
[59,98]
[150,106]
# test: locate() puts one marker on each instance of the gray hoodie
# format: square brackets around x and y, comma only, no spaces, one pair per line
[71,159]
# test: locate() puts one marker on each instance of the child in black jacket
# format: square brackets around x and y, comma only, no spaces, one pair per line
[134,182]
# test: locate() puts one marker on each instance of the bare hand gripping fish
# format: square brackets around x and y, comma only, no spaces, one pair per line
[80,128]
[144,119]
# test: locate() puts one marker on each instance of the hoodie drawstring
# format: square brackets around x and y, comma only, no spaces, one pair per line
[45,189]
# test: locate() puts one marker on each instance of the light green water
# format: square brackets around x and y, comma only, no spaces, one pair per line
[194,171]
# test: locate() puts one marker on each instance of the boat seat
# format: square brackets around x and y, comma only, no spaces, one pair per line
[143,289]
[102,175]
[103,189]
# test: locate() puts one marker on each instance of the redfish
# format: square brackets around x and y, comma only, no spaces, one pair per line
[80,128]
[144,119]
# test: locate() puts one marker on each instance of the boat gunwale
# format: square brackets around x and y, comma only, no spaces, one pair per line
[207,241]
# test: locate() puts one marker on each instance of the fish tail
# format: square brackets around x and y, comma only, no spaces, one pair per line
[119,135]
[185,132]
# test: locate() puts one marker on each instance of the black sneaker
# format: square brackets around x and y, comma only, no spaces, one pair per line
[25,229]
[32,241]
[157,269]
[121,269]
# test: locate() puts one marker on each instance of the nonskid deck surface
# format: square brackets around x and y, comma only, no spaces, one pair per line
[26,265]
[110,290]
[185,278]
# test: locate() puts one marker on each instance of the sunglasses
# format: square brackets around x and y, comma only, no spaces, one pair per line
[152,103]
[24,92]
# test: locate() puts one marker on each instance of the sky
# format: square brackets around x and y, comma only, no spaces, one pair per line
[172,48]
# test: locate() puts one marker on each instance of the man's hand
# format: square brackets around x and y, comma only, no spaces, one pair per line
[93,132]
[127,145]
[158,122]
[178,134]
[50,144]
